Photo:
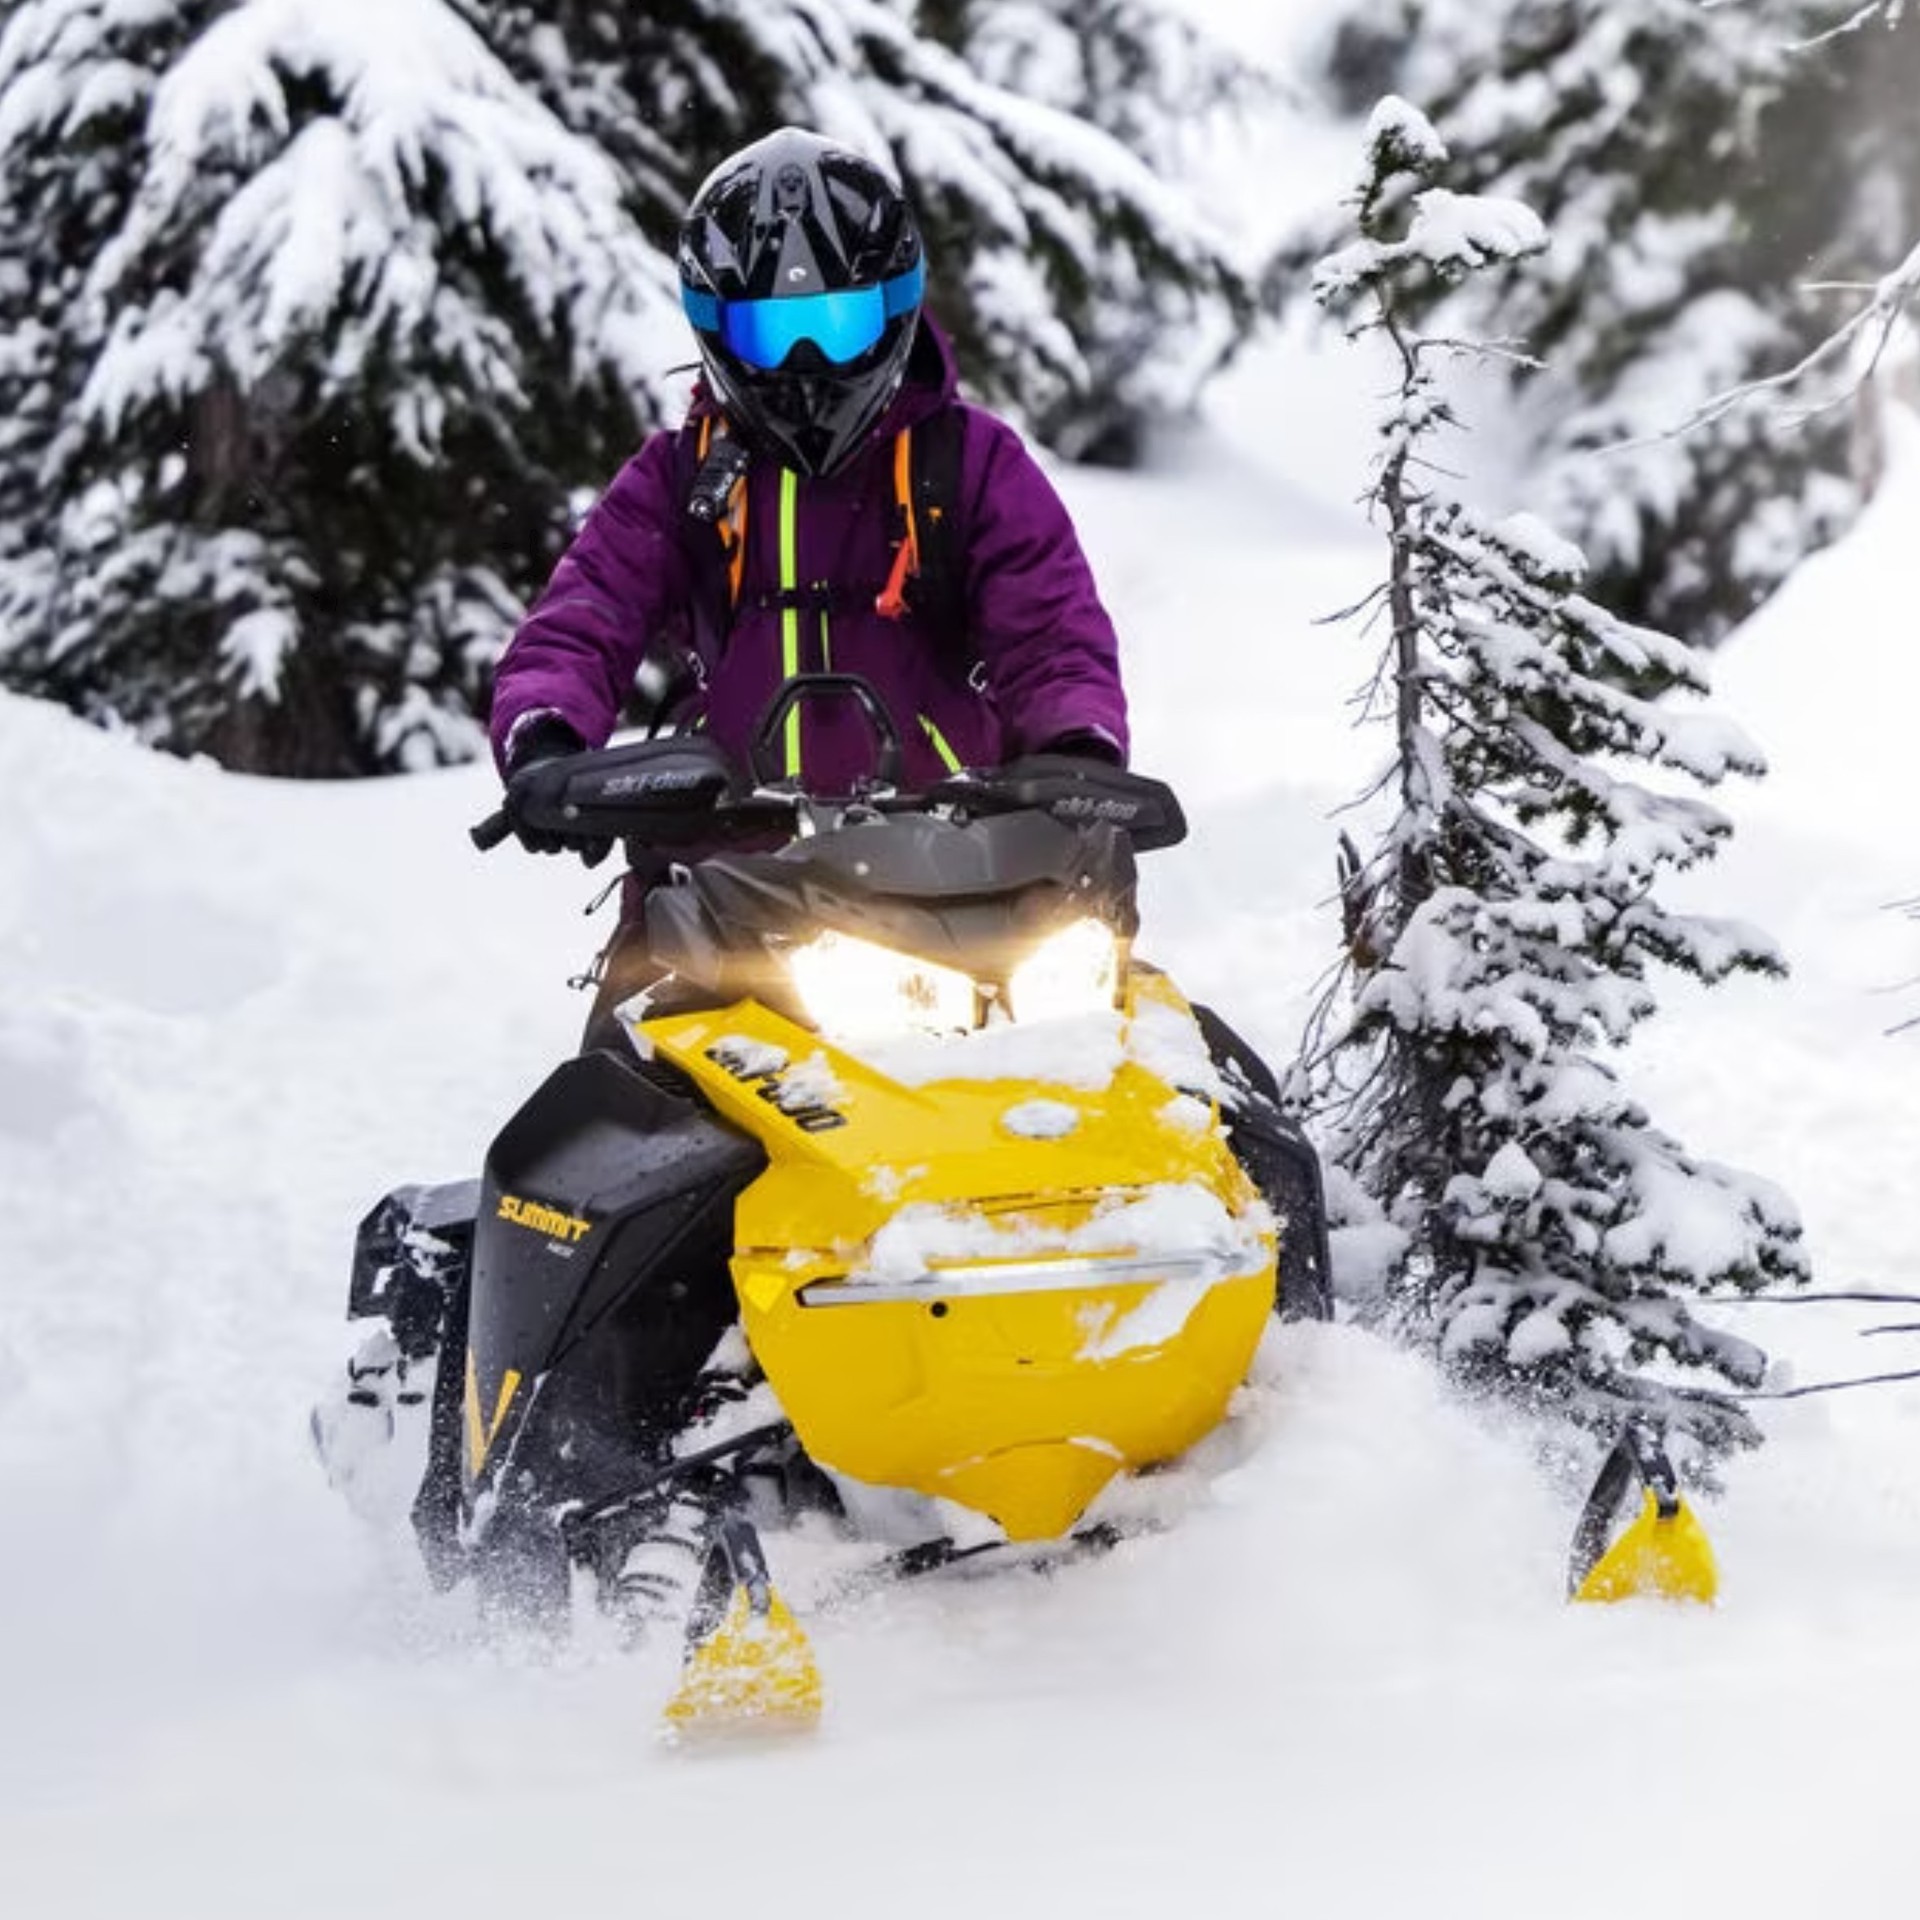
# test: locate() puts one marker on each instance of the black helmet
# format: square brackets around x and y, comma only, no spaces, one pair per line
[801,270]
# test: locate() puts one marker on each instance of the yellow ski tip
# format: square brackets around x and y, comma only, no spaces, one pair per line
[754,1674]
[1666,1555]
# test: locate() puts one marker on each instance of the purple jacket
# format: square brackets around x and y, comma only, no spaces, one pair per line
[1042,661]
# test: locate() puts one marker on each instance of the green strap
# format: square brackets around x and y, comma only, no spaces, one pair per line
[940,746]
[790,614]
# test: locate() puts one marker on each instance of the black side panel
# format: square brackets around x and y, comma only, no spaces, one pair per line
[436,1507]
[599,1271]
[409,1255]
[1281,1162]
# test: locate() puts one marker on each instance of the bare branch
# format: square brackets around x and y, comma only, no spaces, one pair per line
[1890,298]
[1891,10]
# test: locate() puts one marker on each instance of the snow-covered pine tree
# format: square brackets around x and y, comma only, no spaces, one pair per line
[1850,147]
[345,306]
[360,314]
[1150,321]
[1039,140]
[1501,935]
[74,80]
[1696,173]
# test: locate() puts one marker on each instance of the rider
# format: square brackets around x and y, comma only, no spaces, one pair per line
[770,536]
[773,532]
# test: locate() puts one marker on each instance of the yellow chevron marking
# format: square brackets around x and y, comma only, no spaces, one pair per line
[481,1432]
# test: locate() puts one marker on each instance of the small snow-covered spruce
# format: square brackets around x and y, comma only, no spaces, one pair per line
[1501,935]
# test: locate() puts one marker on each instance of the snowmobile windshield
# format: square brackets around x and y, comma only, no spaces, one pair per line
[841,325]
[974,897]
[926,858]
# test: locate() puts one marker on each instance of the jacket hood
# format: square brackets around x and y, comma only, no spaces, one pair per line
[932,378]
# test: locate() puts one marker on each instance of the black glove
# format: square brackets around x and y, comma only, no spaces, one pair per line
[536,784]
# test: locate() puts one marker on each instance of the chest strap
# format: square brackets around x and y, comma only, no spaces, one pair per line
[818,596]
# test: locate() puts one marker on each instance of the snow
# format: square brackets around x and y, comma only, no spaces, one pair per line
[1083,1051]
[1040,1119]
[1171,1221]
[1452,233]
[1402,125]
[812,1084]
[750,1059]
[1153,1322]
[1338,1676]
[1510,1174]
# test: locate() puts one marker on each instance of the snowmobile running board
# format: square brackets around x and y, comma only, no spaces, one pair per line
[1663,1551]
[936,1556]
[748,1668]
[578,1526]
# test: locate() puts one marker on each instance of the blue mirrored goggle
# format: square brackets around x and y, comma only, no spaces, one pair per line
[842,324]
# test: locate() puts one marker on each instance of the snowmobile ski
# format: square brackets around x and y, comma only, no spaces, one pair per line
[749,1665]
[1663,1551]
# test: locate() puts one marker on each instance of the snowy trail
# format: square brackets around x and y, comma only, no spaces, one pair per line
[233,1013]
[1233,1712]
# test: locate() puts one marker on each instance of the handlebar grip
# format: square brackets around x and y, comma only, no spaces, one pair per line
[491,831]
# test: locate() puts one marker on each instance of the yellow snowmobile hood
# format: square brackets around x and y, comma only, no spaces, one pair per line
[998,1292]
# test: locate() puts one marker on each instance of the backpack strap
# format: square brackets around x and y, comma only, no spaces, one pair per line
[716,543]
[926,579]
[936,494]
[719,494]
[891,602]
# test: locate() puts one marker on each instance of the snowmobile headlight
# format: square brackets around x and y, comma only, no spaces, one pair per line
[1076,970]
[853,986]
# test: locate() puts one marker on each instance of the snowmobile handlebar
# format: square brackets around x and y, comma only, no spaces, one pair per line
[673,793]
[682,793]
[685,791]
[489,833]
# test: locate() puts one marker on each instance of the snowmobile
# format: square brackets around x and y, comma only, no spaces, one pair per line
[915,1192]
[986,1211]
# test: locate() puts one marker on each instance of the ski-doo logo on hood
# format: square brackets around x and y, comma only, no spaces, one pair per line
[763,1068]
[537,1218]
